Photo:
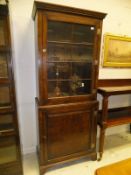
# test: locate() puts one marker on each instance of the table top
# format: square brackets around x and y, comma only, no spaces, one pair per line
[122,167]
[114,90]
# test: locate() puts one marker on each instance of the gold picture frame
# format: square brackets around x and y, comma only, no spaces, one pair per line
[117,51]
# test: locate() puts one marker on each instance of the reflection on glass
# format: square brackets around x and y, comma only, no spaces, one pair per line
[8,150]
[2,34]
[6,122]
[3,66]
[4,95]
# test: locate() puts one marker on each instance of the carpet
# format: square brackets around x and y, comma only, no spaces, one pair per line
[120,168]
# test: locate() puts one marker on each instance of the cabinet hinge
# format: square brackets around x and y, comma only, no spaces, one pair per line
[98,31]
[94,91]
[96,62]
[95,113]
[92,145]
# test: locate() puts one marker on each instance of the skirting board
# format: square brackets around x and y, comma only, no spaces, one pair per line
[29,150]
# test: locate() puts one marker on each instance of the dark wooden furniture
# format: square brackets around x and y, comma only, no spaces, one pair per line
[67,57]
[10,156]
[116,116]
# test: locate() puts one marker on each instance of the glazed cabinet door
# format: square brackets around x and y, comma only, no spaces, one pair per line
[68,66]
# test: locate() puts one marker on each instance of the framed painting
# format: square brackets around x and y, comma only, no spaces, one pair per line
[117,51]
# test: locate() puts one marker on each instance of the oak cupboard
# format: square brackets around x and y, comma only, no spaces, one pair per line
[67,57]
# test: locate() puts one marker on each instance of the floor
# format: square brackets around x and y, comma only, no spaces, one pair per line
[117,147]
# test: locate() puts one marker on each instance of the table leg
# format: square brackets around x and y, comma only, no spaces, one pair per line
[101,142]
[103,125]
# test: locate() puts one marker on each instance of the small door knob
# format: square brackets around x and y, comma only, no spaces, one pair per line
[44,50]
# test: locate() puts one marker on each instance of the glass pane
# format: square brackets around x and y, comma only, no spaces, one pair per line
[59,70]
[80,87]
[83,33]
[81,53]
[8,150]
[59,52]
[82,69]
[4,95]
[58,88]
[6,122]
[3,66]
[59,31]
[69,32]
[2,33]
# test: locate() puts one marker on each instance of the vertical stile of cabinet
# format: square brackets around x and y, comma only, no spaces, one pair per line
[67,58]
[10,152]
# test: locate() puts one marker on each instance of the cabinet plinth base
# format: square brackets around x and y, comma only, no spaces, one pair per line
[45,168]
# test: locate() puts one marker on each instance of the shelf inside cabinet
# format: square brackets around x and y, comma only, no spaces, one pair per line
[6,128]
[69,61]
[69,79]
[83,44]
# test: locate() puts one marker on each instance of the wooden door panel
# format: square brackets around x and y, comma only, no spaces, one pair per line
[68,133]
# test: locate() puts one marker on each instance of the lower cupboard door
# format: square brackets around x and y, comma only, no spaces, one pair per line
[8,149]
[68,133]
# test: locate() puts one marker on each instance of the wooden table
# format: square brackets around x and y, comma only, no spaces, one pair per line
[112,117]
[120,168]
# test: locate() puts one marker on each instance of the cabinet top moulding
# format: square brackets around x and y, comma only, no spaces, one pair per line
[66,9]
